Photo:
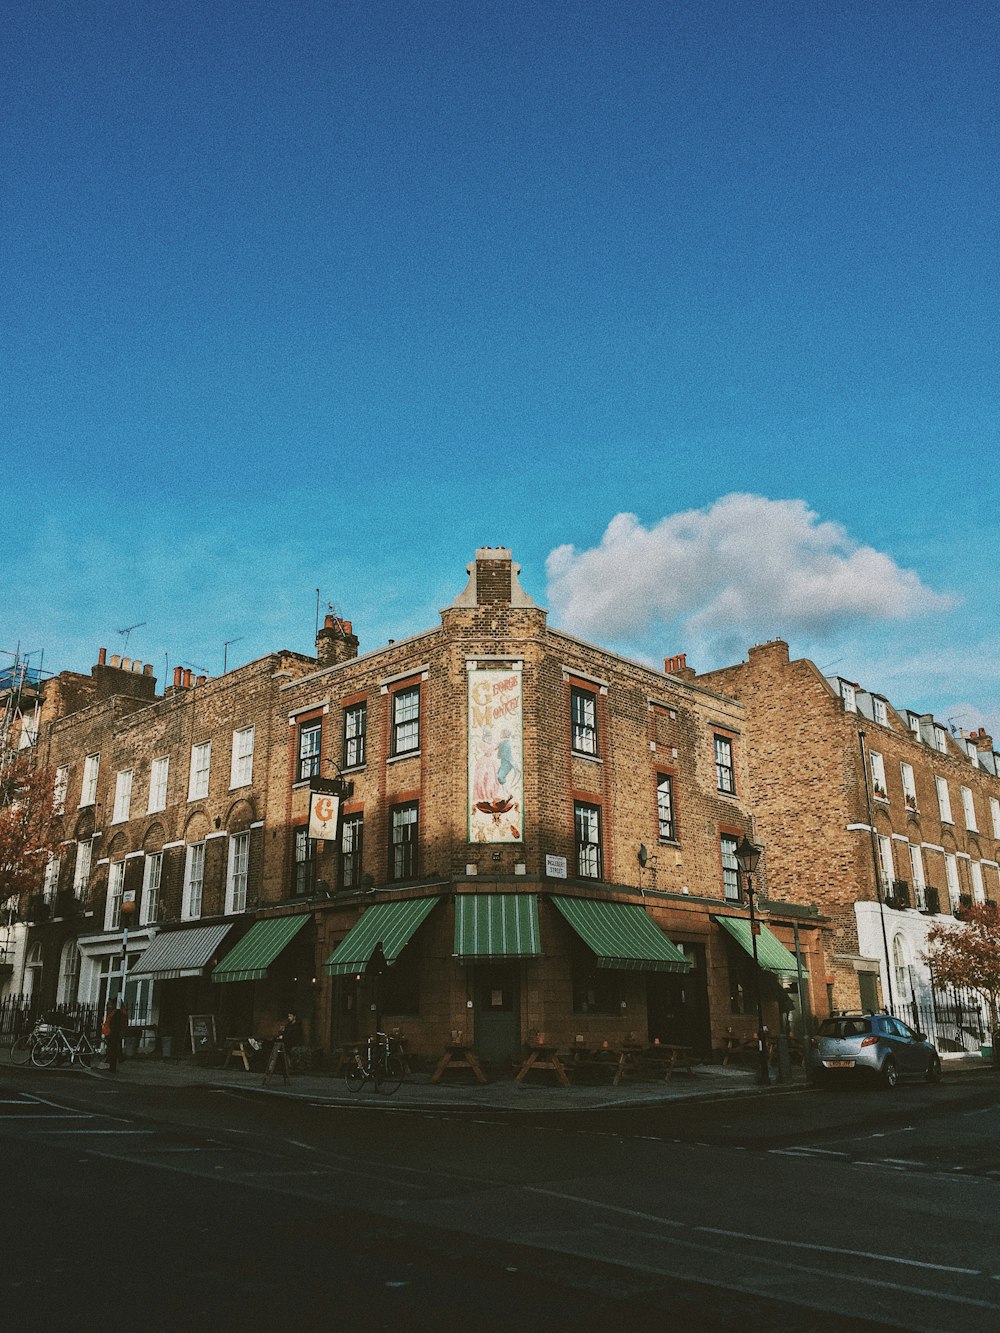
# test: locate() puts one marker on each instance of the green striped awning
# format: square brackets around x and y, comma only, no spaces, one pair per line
[772,955]
[252,956]
[496,925]
[181,953]
[391,924]
[622,936]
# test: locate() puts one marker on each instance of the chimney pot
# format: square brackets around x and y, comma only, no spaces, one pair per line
[147,670]
[126,664]
[200,680]
[102,656]
[187,678]
[178,677]
[116,661]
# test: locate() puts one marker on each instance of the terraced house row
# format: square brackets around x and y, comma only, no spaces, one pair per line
[540,834]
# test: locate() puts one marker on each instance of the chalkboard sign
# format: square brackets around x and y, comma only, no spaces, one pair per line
[202,1029]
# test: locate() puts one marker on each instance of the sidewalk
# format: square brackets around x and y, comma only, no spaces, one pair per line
[539,1092]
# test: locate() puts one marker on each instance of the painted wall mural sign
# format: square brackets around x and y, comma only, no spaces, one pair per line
[496,774]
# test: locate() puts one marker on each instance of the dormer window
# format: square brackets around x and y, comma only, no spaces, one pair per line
[847,693]
[939,740]
[880,712]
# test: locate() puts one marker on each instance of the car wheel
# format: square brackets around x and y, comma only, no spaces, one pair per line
[890,1074]
[933,1074]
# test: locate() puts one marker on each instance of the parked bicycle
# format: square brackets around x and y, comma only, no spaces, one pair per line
[380,1064]
[20,1051]
[57,1044]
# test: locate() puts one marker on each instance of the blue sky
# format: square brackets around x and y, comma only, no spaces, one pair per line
[303,295]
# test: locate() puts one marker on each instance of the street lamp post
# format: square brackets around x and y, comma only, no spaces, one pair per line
[748,856]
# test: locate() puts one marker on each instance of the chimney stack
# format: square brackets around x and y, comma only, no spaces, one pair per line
[336,642]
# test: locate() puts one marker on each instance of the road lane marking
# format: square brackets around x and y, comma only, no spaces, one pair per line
[732,1284]
[763,1240]
[836,1249]
[47,1115]
[806,1152]
[607,1207]
[95,1131]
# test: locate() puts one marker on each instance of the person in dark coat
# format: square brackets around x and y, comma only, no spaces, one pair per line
[291,1034]
[113,1030]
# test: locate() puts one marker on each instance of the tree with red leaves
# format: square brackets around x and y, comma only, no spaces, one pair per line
[28,834]
[968,955]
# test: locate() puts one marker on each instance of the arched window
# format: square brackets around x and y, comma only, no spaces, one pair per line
[901,969]
[69,973]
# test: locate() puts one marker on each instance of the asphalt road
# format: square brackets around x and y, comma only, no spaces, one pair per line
[191,1208]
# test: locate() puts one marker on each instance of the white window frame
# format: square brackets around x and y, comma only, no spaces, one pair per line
[159,776]
[940,740]
[995,816]
[241,765]
[152,878]
[952,880]
[969,810]
[973,754]
[849,696]
[116,889]
[123,796]
[886,862]
[194,881]
[917,875]
[238,874]
[730,868]
[70,960]
[201,767]
[59,789]
[880,712]
[879,784]
[901,968]
[909,785]
[944,800]
[81,871]
[978,887]
[50,883]
[91,772]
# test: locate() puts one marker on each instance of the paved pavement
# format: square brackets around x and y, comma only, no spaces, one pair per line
[459,1091]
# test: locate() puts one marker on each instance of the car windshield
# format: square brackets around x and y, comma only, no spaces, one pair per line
[845,1027]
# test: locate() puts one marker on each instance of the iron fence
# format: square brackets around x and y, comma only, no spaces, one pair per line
[954,1020]
[19,1013]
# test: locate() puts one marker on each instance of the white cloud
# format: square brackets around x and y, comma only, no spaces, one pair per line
[742,569]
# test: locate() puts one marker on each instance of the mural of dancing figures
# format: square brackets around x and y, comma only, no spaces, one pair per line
[496,776]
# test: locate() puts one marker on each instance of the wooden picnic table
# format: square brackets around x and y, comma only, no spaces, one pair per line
[457,1055]
[541,1056]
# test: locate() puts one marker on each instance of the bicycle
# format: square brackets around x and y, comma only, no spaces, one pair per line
[379,1064]
[57,1044]
[20,1051]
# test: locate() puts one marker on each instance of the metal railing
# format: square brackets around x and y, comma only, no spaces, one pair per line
[954,1020]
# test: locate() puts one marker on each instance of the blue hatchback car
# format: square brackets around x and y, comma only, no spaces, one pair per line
[876,1044]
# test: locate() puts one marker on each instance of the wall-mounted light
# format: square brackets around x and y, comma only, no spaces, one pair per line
[642,856]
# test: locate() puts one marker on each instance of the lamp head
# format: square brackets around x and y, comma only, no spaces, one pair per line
[748,855]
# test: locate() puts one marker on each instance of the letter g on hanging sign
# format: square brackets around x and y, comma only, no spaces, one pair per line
[324,816]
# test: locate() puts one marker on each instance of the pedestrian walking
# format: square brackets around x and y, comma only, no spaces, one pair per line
[113,1031]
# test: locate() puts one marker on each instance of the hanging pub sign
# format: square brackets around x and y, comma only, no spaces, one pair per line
[324,815]
[496,777]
